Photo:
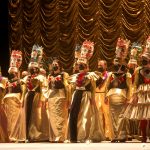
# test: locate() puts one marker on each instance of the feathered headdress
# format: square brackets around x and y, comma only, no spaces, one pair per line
[122,49]
[86,53]
[77,51]
[15,61]
[36,56]
[137,46]
[136,49]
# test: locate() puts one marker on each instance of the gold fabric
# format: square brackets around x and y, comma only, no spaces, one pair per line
[38,130]
[3,126]
[15,114]
[3,119]
[89,124]
[142,95]
[68,89]
[2,135]
[58,113]
[117,103]
[2,88]
[58,103]
[117,96]
[59,25]
[103,108]
[3,82]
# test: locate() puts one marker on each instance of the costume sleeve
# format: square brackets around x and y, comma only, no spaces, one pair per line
[3,82]
[136,79]
[129,85]
[107,82]
[67,89]
[42,84]
[24,90]
[93,78]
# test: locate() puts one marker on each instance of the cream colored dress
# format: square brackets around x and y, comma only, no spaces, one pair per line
[141,94]
[14,110]
[58,100]
[118,95]
[36,108]
[85,124]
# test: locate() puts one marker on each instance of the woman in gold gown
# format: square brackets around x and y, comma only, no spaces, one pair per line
[13,101]
[119,90]
[57,96]
[35,105]
[14,109]
[35,102]
[100,95]
[84,120]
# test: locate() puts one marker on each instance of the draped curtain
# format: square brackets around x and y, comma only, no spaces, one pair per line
[58,25]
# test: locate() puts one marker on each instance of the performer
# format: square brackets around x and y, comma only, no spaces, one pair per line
[119,86]
[34,100]
[134,55]
[3,118]
[140,102]
[84,121]
[58,99]
[77,55]
[135,52]
[14,99]
[100,95]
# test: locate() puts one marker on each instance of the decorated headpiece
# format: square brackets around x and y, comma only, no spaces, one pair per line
[36,56]
[15,61]
[146,52]
[86,53]
[77,52]
[136,49]
[121,49]
[137,46]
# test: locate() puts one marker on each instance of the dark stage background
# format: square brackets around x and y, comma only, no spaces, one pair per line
[58,25]
[4,39]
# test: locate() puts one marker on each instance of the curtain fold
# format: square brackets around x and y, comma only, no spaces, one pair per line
[59,25]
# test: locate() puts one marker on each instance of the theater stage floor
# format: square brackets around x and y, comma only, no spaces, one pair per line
[77,146]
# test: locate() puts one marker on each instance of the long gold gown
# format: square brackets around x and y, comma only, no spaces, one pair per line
[58,100]
[119,92]
[36,108]
[103,108]
[84,121]
[3,119]
[14,110]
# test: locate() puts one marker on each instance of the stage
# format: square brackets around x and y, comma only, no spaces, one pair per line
[77,146]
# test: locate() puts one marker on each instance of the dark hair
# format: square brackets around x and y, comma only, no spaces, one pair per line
[60,65]
[105,62]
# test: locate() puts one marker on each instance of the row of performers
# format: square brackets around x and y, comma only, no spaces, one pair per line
[84,106]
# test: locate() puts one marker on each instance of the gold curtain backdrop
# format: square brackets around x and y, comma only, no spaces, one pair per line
[58,25]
